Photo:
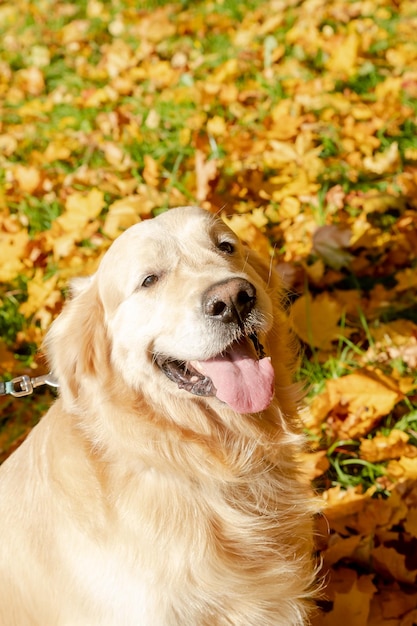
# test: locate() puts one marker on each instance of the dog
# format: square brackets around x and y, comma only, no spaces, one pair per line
[162,488]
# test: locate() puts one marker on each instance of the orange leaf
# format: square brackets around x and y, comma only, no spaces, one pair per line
[382,447]
[389,561]
[356,402]
[404,468]
[351,600]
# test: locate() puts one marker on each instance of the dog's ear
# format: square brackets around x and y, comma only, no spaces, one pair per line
[76,345]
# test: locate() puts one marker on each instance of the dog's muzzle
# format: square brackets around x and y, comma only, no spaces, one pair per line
[240,375]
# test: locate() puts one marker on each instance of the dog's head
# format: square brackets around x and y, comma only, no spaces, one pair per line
[177,307]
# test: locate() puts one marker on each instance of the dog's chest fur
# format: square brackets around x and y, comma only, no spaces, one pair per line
[146,546]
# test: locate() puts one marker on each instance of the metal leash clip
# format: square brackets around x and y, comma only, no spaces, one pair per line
[24,385]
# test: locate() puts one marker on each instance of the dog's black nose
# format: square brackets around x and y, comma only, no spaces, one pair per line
[230,300]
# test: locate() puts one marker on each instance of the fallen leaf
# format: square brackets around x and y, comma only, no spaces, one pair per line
[80,208]
[390,562]
[57,150]
[41,292]
[382,448]
[410,523]
[124,213]
[27,177]
[404,468]
[331,243]
[151,172]
[406,279]
[12,250]
[340,548]
[354,404]
[351,602]
[31,80]
[344,55]
[314,464]
[316,320]
[216,126]
[383,162]
[205,172]
[390,605]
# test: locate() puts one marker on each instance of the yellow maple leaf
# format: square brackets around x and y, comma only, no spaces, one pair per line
[31,80]
[80,208]
[404,468]
[316,320]
[340,548]
[340,502]
[226,71]
[27,177]
[216,126]
[406,279]
[351,509]
[246,230]
[124,213]
[156,26]
[12,251]
[40,291]
[150,171]
[344,55]
[352,597]
[389,561]
[299,184]
[116,156]
[314,464]
[57,150]
[383,162]
[382,448]
[8,144]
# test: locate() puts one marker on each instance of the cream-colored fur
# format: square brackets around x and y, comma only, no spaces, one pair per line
[134,502]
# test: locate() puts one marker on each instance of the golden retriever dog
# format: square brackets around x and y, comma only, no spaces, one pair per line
[162,488]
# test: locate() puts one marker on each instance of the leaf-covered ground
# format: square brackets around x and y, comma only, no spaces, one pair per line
[296,120]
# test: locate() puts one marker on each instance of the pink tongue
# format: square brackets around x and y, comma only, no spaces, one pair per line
[244,383]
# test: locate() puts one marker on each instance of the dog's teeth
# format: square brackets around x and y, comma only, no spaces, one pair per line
[196,365]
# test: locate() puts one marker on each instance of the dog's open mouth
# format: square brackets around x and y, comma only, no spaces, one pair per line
[242,376]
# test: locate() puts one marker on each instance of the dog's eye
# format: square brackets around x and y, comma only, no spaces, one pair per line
[150,280]
[226,246]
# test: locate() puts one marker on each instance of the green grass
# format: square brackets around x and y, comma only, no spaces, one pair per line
[11,320]
[40,213]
